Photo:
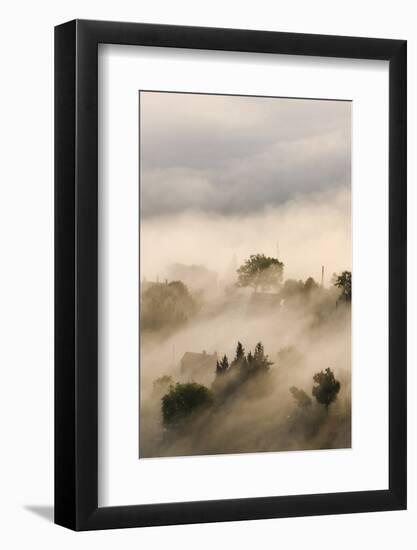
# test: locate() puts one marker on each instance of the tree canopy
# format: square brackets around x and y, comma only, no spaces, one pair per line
[298,290]
[183,400]
[240,357]
[244,365]
[260,361]
[260,271]
[222,365]
[327,387]
[166,305]
[344,282]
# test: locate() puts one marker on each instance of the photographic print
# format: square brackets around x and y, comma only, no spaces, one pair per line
[245,274]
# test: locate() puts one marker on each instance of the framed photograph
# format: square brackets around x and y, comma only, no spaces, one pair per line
[217,193]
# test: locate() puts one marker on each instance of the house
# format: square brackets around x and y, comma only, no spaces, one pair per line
[198,365]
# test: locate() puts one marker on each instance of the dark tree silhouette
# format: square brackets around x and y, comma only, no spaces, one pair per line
[240,352]
[240,359]
[327,387]
[184,400]
[260,360]
[222,366]
[302,399]
[245,365]
[260,271]
[255,362]
[344,282]
[242,371]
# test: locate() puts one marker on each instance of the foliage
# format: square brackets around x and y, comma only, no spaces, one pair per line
[302,399]
[240,359]
[310,285]
[292,288]
[241,372]
[184,400]
[260,271]
[327,387]
[244,366]
[222,366]
[344,282]
[166,305]
[260,361]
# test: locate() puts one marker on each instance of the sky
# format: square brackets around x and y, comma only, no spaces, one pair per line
[233,155]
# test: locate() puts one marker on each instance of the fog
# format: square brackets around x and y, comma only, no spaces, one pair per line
[232,154]
[302,335]
[306,232]
[224,179]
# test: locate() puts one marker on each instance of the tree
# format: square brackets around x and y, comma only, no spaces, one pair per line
[242,370]
[310,285]
[302,399]
[257,361]
[184,400]
[222,366]
[260,360]
[240,352]
[292,288]
[260,271]
[240,358]
[344,282]
[327,387]
[166,306]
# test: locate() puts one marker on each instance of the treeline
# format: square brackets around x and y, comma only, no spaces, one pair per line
[183,401]
[168,306]
[267,273]
[246,365]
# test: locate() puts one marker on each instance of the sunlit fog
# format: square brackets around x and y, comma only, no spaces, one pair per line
[245,267]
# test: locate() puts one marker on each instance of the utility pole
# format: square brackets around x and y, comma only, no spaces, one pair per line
[322,276]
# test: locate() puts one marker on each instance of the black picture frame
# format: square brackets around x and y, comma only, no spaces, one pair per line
[76,274]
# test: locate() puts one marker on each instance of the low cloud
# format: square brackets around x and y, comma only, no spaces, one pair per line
[239,154]
[305,233]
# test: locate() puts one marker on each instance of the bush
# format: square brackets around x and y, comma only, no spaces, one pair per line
[183,401]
